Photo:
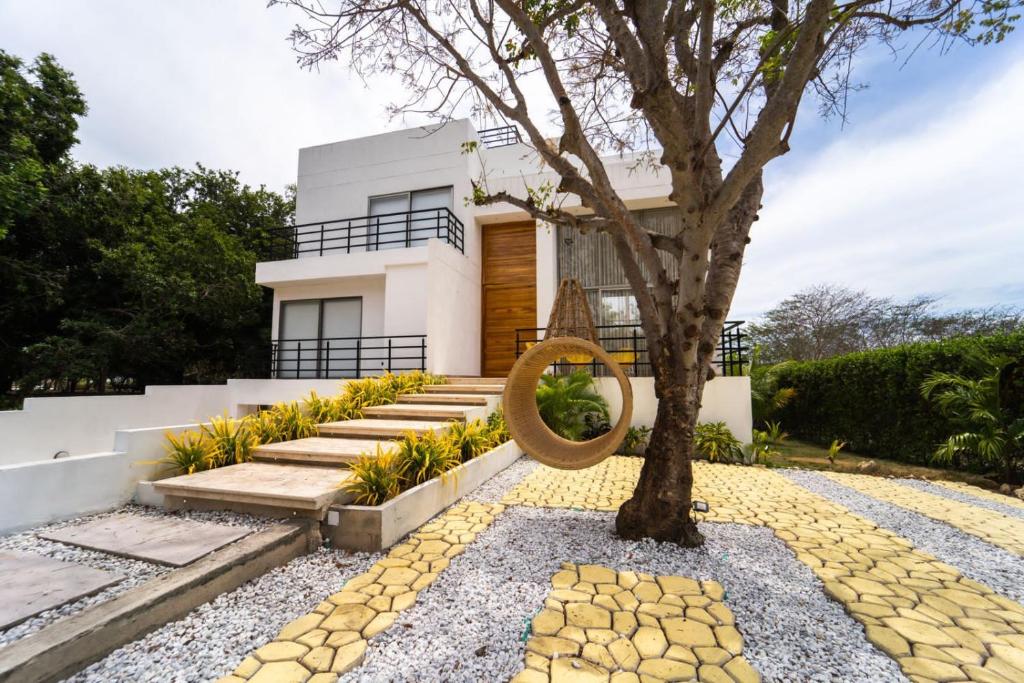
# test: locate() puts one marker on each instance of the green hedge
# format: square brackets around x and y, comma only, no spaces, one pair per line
[872,400]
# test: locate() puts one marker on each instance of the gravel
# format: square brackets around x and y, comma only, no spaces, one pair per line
[470,624]
[135,572]
[213,638]
[981,561]
[495,488]
[936,489]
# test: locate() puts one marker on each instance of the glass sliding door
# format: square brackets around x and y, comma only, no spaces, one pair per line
[430,212]
[389,222]
[298,339]
[319,338]
[341,327]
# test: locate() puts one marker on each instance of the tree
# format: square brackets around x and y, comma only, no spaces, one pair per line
[675,79]
[829,320]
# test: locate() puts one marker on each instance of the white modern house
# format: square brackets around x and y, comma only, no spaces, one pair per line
[390,267]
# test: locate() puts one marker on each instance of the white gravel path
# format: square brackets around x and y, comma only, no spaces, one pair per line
[470,625]
[136,572]
[938,490]
[213,638]
[1001,570]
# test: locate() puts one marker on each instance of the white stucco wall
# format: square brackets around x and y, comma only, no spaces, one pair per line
[725,398]
[453,313]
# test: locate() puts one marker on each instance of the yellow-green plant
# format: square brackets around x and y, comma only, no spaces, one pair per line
[375,478]
[833,451]
[469,439]
[231,440]
[421,458]
[715,441]
[319,409]
[264,427]
[189,453]
[292,422]
[775,433]
[497,430]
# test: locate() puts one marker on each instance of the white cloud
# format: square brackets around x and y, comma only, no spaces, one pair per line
[927,201]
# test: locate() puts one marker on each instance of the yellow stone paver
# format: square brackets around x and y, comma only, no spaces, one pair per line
[978,492]
[671,628]
[936,623]
[333,638]
[994,527]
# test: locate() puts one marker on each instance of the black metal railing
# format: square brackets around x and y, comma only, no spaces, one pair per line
[367,233]
[347,357]
[628,346]
[499,137]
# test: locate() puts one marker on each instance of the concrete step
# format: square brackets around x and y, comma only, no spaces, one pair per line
[495,389]
[319,450]
[379,429]
[435,399]
[454,379]
[420,411]
[258,488]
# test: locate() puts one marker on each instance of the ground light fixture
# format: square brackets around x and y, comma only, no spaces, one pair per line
[700,506]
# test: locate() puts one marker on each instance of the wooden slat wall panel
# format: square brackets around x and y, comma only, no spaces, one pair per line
[591,259]
[509,292]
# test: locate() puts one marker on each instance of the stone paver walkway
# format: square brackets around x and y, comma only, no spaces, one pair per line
[936,623]
[988,525]
[667,628]
[317,647]
[978,492]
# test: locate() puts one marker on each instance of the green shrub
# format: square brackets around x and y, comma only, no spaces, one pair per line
[714,441]
[872,400]
[570,405]
[469,439]
[496,429]
[635,441]
[422,458]
[232,441]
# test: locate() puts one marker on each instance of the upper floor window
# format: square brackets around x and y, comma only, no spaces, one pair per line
[407,219]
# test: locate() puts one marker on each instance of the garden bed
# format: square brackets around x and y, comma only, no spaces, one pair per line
[374,527]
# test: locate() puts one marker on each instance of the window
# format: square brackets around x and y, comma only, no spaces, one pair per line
[408,219]
[319,337]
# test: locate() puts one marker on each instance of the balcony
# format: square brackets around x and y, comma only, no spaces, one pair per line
[347,357]
[502,136]
[367,233]
[628,346]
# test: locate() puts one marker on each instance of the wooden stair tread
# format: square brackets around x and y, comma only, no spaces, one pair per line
[464,389]
[379,428]
[319,450]
[259,483]
[475,380]
[435,399]
[421,411]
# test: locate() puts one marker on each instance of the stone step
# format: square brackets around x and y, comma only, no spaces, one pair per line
[419,411]
[260,488]
[456,399]
[319,450]
[452,379]
[496,389]
[379,429]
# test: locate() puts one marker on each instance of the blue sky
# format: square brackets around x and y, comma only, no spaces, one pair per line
[920,192]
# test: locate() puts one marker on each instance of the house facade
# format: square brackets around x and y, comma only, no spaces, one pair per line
[390,267]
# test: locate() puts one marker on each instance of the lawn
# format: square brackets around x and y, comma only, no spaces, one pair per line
[794,453]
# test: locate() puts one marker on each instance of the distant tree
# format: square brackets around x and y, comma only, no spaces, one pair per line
[830,320]
[708,91]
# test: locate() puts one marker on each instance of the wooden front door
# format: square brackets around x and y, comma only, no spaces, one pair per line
[509,292]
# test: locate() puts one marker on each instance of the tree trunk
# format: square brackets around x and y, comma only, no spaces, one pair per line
[661,504]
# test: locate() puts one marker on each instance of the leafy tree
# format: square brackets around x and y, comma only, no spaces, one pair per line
[116,278]
[991,432]
[830,320]
[673,80]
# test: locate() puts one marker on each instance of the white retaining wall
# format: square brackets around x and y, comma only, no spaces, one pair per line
[79,425]
[725,398]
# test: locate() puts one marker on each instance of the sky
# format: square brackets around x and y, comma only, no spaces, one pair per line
[920,191]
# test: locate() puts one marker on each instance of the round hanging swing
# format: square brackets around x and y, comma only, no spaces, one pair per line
[570,334]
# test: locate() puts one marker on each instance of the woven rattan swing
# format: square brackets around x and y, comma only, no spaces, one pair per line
[570,334]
